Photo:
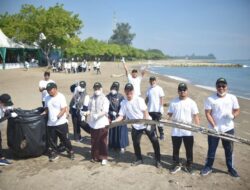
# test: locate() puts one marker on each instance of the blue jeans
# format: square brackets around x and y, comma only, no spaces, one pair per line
[228,148]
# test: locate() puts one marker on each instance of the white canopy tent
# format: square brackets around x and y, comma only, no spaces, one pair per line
[9,44]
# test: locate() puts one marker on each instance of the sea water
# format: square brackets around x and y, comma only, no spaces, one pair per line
[205,77]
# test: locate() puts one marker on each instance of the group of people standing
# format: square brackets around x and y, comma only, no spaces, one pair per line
[76,66]
[94,113]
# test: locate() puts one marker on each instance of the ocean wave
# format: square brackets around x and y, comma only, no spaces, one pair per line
[177,78]
[245,66]
[206,87]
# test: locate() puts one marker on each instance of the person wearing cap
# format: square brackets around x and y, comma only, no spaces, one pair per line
[118,136]
[183,109]
[134,79]
[6,111]
[79,108]
[97,120]
[134,107]
[221,109]
[56,108]
[154,100]
[43,84]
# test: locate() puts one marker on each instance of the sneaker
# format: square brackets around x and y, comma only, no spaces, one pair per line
[189,169]
[137,162]
[104,162]
[158,164]
[233,173]
[175,169]
[61,148]
[4,162]
[71,155]
[53,157]
[205,171]
[122,150]
[162,138]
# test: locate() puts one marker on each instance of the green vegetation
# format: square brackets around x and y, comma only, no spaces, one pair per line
[57,28]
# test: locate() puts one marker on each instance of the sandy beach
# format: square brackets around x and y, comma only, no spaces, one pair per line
[39,173]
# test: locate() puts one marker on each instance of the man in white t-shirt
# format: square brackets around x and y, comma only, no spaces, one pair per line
[56,108]
[134,107]
[221,109]
[154,99]
[134,79]
[43,84]
[183,109]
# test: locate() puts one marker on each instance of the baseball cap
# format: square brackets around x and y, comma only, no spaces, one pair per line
[82,84]
[134,71]
[115,85]
[6,100]
[221,80]
[50,86]
[182,87]
[129,87]
[97,85]
[152,78]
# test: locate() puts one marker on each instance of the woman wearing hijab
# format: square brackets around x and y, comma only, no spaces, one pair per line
[118,136]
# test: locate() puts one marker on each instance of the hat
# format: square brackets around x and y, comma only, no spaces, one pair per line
[182,86]
[97,85]
[129,87]
[50,86]
[82,84]
[115,85]
[6,100]
[221,80]
[152,78]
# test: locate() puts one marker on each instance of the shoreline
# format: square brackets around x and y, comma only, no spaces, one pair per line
[191,63]
[180,79]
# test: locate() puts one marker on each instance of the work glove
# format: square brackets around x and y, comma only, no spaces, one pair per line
[216,129]
[13,115]
[83,118]
[114,113]
[95,116]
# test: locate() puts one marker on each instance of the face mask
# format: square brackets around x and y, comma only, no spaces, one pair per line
[113,92]
[80,89]
[98,92]
[222,94]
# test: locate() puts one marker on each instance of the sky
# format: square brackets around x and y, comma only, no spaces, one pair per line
[177,27]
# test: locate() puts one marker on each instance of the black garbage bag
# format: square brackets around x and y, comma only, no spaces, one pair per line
[26,134]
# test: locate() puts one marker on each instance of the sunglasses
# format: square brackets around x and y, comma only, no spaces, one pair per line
[221,86]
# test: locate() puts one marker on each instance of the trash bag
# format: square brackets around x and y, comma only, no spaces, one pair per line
[26,134]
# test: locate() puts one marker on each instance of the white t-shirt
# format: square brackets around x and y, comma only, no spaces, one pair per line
[154,94]
[136,82]
[98,65]
[43,84]
[54,105]
[133,109]
[182,111]
[220,108]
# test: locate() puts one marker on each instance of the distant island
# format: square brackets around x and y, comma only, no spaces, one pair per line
[195,57]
